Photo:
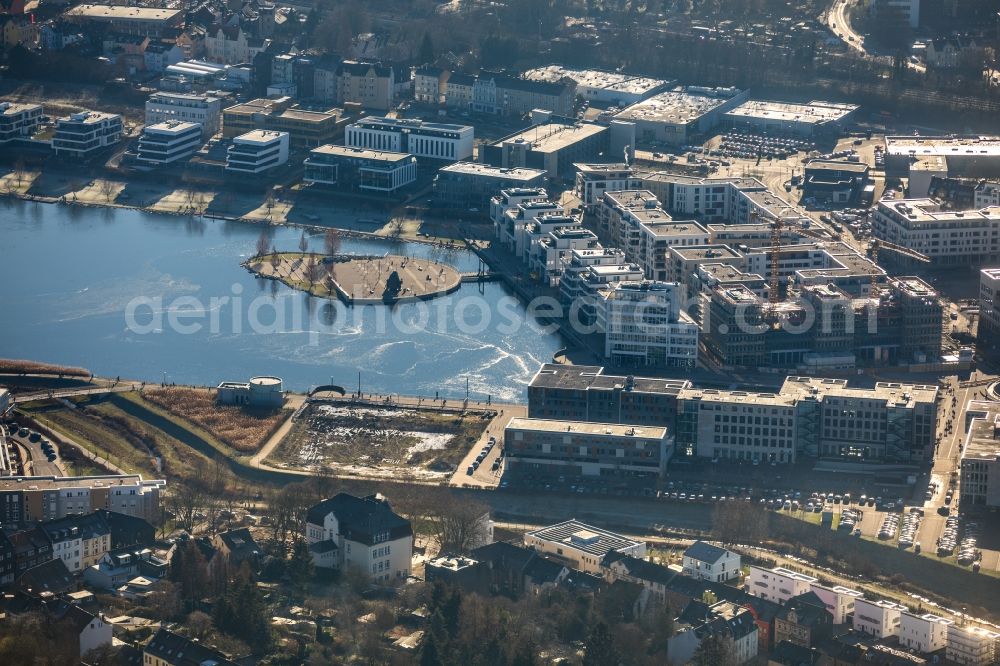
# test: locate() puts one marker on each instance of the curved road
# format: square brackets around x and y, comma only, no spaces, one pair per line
[838,20]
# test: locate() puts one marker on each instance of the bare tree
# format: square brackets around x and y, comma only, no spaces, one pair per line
[396,227]
[331,241]
[314,270]
[19,173]
[460,526]
[303,243]
[275,259]
[331,276]
[107,189]
[263,244]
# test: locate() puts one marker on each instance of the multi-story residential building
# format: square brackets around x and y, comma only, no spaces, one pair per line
[700,620]
[970,156]
[593,180]
[878,618]
[8,562]
[437,141]
[513,209]
[986,194]
[430,84]
[167,648]
[458,90]
[127,20]
[576,448]
[906,10]
[230,45]
[947,237]
[803,620]
[707,198]
[206,110]
[989,308]
[506,95]
[257,151]
[360,169]
[580,546]
[778,584]
[534,231]
[924,632]
[360,532]
[549,254]
[553,146]
[586,393]
[465,185]
[643,325]
[372,85]
[82,134]
[18,121]
[972,646]
[169,141]
[79,541]
[574,278]
[25,499]
[306,129]
[839,600]
[979,483]
[706,561]
[29,547]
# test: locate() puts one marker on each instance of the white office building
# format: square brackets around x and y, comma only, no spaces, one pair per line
[972,646]
[81,134]
[839,600]
[947,237]
[880,618]
[18,121]
[643,325]
[989,304]
[170,141]
[205,110]
[593,180]
[778,584]
[257,151]
[925,632]
[360,168]
[438,141]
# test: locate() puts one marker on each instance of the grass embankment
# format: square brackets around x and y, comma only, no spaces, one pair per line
[19,365]
[241,428]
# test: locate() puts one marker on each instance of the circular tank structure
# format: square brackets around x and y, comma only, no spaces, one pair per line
[265,391]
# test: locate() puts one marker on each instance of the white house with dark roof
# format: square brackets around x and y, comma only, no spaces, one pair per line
[362,532]
[708,562]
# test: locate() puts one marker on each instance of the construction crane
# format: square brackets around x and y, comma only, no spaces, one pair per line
[879,244]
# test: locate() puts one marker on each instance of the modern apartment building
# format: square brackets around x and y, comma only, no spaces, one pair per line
[878,618]
[839,600]
[576,448]
[923,632]
[778,584]
[257,151]
[82,134]
[947,237]
[437,141]
[25,499]
[979,483]
[643,325]
[18,121]
[593,180]
[306,129]
[206,110]
[168,142]
[972,646]
[361,169]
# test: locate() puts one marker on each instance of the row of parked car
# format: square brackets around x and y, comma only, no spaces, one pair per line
[47,447]
[748,145]
[482,456]
[908,530]
[968,553]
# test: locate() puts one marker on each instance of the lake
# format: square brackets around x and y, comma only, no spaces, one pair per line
[147,296]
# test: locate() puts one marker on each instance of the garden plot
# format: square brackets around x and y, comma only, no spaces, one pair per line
[379,441]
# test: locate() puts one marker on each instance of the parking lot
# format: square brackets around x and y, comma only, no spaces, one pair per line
[43,453]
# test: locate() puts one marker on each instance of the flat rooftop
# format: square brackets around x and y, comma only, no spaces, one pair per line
[116,12]
[360,153]
[411,123]
[678,106]
[740,183]
[553,137]
[587,377]
[929,211]
[632,199]
[982,442]
[13,108]
[991,273]
[584,428]
[893,393]
[88,117]
[838,165]
[959,146]
[702,252]
[172,127]
[882,603]
[260,136]
[816,112]
[603,169]
[673,228]
[583,537]
[57,482]
[728,273]
[596,79]
[788,573]
[486,170]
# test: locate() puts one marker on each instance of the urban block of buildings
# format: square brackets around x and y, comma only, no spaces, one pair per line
[678,115]
[784,118]
[599,86]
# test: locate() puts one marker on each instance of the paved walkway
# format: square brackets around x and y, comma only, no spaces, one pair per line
[293,402]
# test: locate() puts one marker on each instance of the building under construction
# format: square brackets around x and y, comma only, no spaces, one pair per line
[823,327]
